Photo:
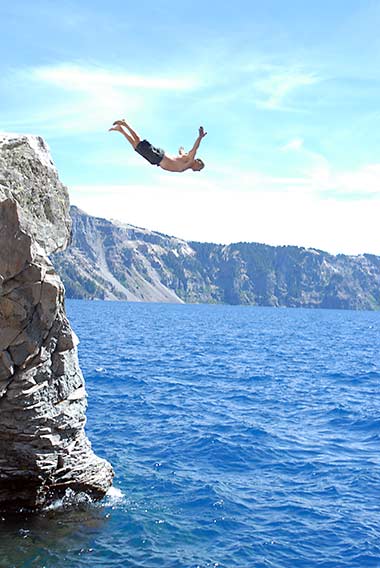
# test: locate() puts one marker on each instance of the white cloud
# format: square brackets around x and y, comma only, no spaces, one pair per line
[320,177]
[359,183]
[295,144]
[363,182]
[82,98]
[276,86]
[91,79]
[265,209]
[268,87]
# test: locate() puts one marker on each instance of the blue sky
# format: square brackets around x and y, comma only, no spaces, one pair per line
[288,92]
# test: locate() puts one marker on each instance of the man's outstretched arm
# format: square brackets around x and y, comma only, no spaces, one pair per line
[194,149]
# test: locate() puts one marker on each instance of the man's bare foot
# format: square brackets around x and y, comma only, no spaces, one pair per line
[116,128]
[120,122]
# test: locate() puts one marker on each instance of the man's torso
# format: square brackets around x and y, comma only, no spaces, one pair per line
[175,163]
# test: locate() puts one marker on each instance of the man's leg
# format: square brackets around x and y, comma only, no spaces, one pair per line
[134,134]
[133,140]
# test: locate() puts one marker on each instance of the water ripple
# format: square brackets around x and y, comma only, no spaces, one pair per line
[241,437]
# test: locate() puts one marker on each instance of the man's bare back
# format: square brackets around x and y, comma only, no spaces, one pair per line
[184,161]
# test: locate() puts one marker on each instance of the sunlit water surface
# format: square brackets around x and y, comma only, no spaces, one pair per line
[241,437]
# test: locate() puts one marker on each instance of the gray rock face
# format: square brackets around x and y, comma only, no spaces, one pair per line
[28,175]
[43,446]
[118,262]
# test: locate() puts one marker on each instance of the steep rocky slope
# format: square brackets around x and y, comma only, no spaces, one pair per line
[43,447]
[118,262]
[109,260]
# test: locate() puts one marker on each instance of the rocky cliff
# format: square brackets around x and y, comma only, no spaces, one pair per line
[118,262]
[43,446]
[109,260]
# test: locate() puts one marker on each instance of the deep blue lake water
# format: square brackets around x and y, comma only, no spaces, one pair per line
[241,437]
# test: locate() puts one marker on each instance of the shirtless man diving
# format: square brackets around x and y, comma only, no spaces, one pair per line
[183,161]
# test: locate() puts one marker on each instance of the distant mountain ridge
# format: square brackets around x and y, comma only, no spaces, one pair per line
[115,261]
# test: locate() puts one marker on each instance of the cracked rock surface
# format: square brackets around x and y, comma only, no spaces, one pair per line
[43,447]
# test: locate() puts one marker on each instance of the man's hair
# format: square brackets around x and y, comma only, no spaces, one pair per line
[201,162]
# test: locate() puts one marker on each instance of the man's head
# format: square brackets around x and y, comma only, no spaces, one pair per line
[197,165]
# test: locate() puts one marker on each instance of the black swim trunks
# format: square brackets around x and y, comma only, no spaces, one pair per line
[149,152]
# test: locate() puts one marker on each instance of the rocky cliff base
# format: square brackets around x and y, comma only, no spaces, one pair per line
[43,447]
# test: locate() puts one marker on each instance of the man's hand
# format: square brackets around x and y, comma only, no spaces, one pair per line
[202,133]
[193,151]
